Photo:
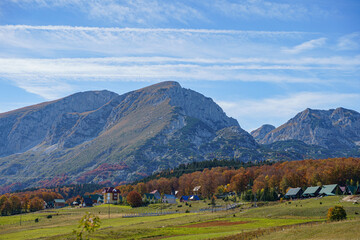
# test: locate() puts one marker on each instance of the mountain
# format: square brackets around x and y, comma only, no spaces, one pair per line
[100,136]
[261,132]
[334,129]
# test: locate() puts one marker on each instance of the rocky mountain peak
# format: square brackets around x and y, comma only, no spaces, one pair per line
[261,132]
[332,129]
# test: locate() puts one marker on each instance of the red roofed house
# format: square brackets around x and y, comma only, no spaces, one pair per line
[111,195]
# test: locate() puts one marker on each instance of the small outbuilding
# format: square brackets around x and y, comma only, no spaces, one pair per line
[167,198]
[294,193]
[156,194]
[184,198]
[87,202]
[59,203]
[311,192]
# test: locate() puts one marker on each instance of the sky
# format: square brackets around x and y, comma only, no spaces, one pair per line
[262,61]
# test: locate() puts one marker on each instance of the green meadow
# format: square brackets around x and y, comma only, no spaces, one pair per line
[302,219]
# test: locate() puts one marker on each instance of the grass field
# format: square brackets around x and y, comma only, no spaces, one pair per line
[230,224]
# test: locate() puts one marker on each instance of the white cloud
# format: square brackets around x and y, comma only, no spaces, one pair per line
[349,42]
[278,110]
[138,12]
[309,45]
[266,9]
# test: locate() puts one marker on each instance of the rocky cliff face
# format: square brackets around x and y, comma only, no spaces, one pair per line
[27,127]
[100,136]
[334,129]
[261,132]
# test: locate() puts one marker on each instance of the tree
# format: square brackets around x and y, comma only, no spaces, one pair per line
[87,224]
[336,213]
[16,204]
[134,199]
[36,204]
[5,208]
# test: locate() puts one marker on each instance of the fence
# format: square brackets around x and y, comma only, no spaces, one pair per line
[158,213]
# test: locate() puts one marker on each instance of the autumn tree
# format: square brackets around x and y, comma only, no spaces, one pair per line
[36,204]
[134,199]
[16,204]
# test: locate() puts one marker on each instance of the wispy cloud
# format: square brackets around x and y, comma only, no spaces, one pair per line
[266,9]
[41,75]
[309,45]
[155,12]
[138,12]
[279,109]
[349,42]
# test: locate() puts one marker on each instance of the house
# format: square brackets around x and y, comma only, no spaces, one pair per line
[294,193]
[194,198]
[156,194]
[354,190]
[87,202]
[167,198]
[111,195]
[184,198]
[345,190]
[330,190]
[59,203]
[311,192]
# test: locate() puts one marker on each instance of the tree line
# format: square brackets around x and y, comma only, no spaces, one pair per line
[266,181]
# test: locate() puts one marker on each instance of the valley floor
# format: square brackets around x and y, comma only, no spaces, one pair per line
[302,219]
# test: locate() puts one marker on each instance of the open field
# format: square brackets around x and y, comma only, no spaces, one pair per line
[205,225]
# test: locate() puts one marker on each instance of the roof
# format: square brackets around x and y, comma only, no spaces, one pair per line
[110,190]
[186,198]
[197,188]
[88,201]
[194,197]
[169,196]
[59,200]
[353,189]
[311,190]
[293,191]
[149,195]
[328,189]
[154,192]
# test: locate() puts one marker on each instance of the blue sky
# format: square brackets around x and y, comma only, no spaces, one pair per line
[262,61]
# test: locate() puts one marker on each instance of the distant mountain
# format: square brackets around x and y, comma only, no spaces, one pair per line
[334,129]
[261,132]
[101,136]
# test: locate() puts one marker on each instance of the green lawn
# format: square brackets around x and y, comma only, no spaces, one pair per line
[184,225]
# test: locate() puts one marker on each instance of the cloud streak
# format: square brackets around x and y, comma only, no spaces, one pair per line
[309,45]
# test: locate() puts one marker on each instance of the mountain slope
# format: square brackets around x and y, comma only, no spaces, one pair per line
[335,129]
[100,136]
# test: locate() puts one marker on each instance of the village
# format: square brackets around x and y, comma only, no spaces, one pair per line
[111,195]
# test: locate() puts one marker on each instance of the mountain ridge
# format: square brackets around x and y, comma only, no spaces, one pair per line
[102,137]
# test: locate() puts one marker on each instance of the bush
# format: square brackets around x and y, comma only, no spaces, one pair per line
[49,216]
[134,199]
[336,213]
[187,211]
